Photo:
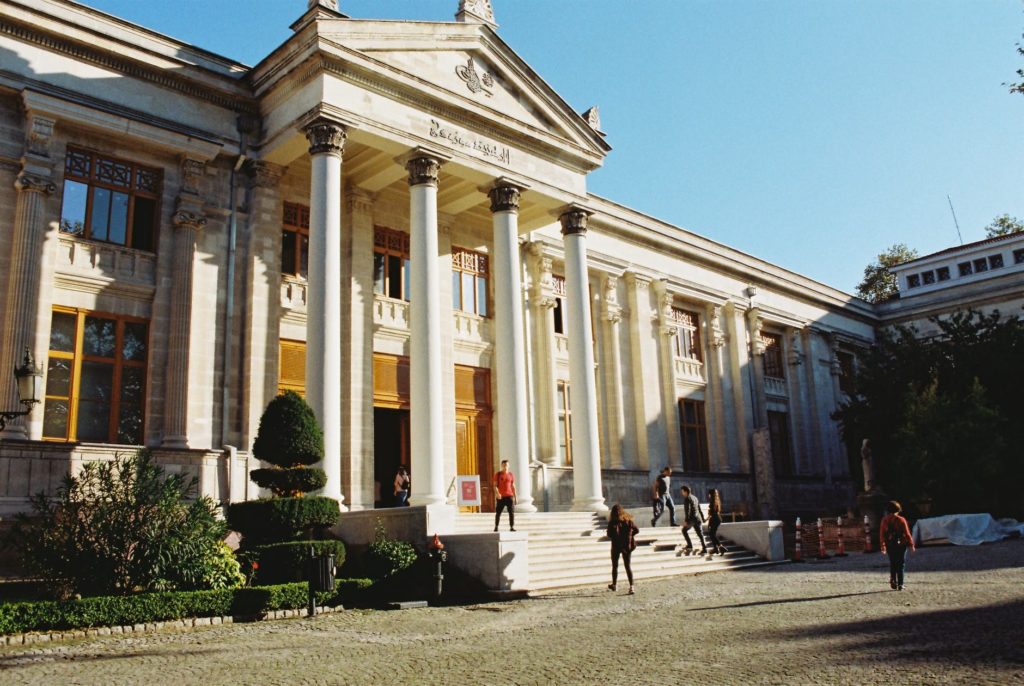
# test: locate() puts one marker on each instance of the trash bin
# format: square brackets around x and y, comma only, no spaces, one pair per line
[321,572]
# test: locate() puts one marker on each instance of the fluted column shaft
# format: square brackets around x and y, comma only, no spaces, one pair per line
[510,342]
[425,354]
[323,304]
[585,446]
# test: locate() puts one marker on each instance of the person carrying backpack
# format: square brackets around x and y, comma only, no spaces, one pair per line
[894,540]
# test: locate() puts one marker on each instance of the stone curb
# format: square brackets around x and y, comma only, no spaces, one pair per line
[149,627]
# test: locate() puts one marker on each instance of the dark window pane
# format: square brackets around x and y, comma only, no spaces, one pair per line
[94,401]
[100,337]
[133,385]
[129,425]
[288,252]
[144,224]
[928,277]
[406,276]
[72,213]
[995,261]
[55,418]
[58,377]
[303,256]
[394,277]
[378,273]
[557,312]
[942,273]
[965,268]
[118,232]
[133,344]
[980,265]
[100,213]
[62,332]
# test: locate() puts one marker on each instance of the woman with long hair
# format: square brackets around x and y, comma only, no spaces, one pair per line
[894,539]
[622,531]
[715,520]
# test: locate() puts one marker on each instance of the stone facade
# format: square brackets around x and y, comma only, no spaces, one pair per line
[466,299]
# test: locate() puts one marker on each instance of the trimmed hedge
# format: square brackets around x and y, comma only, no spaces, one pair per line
[289,434]
[168,605]
[291,481]
[281,563]
[270,520]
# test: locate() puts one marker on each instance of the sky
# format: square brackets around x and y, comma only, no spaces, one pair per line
[812,134]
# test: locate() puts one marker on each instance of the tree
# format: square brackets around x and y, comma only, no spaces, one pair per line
[124,526]
[1004,225]
[290,439]
[1018,87]
[879,284]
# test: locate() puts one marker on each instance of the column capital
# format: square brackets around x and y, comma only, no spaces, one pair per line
[188,214]
[716,337]
[574,220]
[192,171]
[264,174]
[757,346]
[34,183]
[326,136]
[424,166]
[505,194]
[39,134]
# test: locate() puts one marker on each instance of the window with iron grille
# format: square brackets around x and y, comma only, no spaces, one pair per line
[470,271]
[110,200]
[773,366]
[686,339]
[391,263]
[694,434]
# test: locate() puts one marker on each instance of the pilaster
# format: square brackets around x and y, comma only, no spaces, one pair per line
[542,335]
[649,421]
[666,358]
[615,425]
[715,391]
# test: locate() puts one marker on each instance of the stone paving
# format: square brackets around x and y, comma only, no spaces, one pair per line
[961,620]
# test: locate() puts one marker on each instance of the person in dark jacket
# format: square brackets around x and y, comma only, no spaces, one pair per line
[692,517]
[715,520]
[622,531]
[661,497]
[894,540]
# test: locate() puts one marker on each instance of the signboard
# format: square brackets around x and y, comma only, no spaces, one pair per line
[469,490]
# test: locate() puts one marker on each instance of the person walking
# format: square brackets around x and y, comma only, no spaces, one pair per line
[894,539]
[715,520]
[506,485]
[692,517]
[402,484]
[661,495]
[622,531]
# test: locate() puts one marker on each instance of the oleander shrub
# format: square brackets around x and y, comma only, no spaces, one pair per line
[279,563]
[290,439]
[387,556]
[273,520]
[124,526]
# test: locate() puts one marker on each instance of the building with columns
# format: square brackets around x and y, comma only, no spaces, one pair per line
[393,219]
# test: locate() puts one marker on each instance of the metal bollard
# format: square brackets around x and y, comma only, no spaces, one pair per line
[822,555]
[840,548]
[438,556]
[797,556]
[867,535]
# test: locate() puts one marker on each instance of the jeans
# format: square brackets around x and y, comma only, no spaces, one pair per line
[401,498]
[695,523]
[897,563]
[714,521]
[660,503]
[626,555]
[505,504]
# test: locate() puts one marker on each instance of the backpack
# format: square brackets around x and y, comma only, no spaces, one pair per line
[894,537]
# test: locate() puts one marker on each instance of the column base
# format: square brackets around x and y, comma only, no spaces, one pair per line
[526,506]
[595,505]
[427,499]
[175,442]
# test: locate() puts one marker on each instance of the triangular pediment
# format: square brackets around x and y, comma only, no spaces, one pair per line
[466,66]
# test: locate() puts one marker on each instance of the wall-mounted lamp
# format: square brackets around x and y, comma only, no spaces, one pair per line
[30,388]
[750,291]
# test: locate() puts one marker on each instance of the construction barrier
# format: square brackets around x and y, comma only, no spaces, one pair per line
[840,548]
[867,535]
[797,556]
[822,555]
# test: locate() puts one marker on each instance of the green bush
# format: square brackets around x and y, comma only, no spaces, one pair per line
[280,563]
[271,520]
[119,527]
[168,605]
[289,434]
[290,482]
[387,556]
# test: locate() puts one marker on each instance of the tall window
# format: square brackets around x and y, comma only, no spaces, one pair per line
[110,200]
[295,240]
[293,367]
[686,340]
[694,433]
[778,431]
[469,281]
[845,371]
[96,378]
[564,422]
[558,311]
[773,366]
[391,263]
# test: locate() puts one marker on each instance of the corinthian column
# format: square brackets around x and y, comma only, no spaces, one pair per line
[188,220]
[510,343]
[323,304]
[425,353]
[586,470]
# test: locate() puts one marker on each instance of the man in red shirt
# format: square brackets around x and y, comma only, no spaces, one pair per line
[506,485]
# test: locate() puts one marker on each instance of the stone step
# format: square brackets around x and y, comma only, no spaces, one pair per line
[598,576]
[652,559]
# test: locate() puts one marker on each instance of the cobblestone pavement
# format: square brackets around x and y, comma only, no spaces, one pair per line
[961,620]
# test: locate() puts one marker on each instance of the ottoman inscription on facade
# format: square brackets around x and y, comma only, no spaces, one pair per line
[470,142]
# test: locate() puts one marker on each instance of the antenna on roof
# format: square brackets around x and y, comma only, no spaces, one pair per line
[955,222]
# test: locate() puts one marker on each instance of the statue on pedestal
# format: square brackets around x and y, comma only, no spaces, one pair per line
[867,463]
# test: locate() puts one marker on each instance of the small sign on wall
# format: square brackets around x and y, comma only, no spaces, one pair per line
[469,490]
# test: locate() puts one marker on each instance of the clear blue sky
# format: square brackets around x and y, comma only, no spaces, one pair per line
[811,134]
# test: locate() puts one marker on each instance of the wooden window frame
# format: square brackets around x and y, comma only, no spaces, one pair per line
[783,459]
[702,461]
[291,383]
[295,220]
[686,339]
[392,243]
[774,365]
[78,357]
[562,389]
[477,264]
[91,180]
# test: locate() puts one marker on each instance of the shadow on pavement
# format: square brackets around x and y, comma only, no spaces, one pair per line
[987,634]
[26,659]
[782,601]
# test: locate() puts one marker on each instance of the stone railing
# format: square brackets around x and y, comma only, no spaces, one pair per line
[688,369]
[293,294]
[471,327]
[105,264]
[776,387]
[390,313]
[561,346]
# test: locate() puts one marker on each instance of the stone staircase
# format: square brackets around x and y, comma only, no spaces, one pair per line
[570,549]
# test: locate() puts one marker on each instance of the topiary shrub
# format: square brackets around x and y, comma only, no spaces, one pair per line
[290,439]
[280,563]
[387,556]
[273,520]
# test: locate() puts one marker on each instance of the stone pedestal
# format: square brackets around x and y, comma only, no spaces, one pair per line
[872,504]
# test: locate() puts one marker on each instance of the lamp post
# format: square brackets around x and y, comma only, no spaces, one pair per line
[30,388]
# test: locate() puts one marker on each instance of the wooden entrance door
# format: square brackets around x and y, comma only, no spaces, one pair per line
[473,430]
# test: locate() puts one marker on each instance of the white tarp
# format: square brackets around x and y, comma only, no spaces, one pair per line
[965,529]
